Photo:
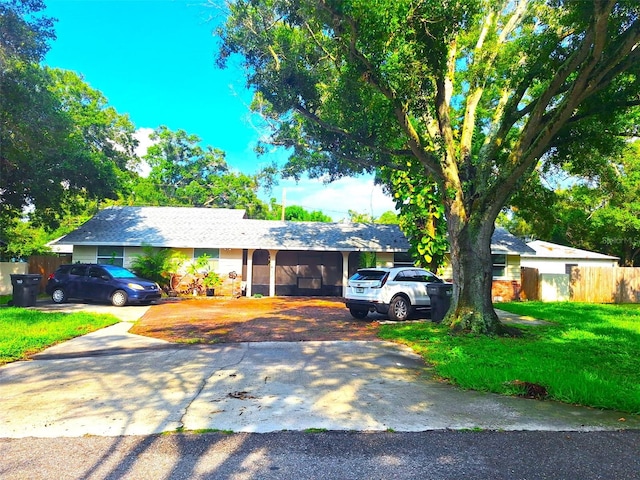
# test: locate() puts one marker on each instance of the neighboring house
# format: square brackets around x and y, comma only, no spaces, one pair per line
[269,257]
[549,269]
[62,250]
[553,258]
[506,250]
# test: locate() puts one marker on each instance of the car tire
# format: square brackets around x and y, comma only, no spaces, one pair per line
[59,295]
[358,313]
[119,298]
[399,309]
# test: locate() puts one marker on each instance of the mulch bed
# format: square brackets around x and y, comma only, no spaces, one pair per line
[207,320]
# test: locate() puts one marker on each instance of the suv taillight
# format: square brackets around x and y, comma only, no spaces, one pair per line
[383,280]
[50,277]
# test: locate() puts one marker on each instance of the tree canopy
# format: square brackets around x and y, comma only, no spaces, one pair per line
[59,139]
[478,93]
[184,173]
[601,214]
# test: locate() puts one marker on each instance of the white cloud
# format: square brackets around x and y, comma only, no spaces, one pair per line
[144,142]
[335,199]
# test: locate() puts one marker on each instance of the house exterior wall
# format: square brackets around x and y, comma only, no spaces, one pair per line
[230,261]
[559,265]
[513,267]
[384,259]
[512,270]
[84,254]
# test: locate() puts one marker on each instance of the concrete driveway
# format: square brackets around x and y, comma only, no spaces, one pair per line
[112,383]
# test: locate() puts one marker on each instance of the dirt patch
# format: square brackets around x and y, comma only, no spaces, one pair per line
[267,319]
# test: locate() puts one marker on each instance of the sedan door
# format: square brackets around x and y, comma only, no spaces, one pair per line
[75,283]
[98,284]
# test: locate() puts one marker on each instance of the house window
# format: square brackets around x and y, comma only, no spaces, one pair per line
[568,267]
[402,259]
[111,255]
[499,265]
[212,253]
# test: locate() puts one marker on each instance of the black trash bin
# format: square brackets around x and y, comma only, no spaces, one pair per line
[440,296]
[25,289]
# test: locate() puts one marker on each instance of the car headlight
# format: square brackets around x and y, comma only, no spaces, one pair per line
[135,286]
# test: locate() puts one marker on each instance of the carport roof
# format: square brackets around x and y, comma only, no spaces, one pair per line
[186,227]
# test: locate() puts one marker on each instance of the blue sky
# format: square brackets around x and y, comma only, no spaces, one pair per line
[155,61]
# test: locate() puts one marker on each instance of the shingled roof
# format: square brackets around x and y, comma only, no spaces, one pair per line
[505,242]
[544,249]
[186,227]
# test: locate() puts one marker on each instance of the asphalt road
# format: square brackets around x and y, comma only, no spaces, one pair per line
[331,455]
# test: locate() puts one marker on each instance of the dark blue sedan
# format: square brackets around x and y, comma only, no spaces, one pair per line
[100,283]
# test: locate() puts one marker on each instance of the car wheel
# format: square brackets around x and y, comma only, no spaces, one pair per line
[358,313]
[59,296]
[399,309]
[119,298]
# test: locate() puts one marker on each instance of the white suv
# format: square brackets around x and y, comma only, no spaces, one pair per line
[394,291]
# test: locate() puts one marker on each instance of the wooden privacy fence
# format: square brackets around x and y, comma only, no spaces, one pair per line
[605,285]
[530,284]
[586,284]
[45,265]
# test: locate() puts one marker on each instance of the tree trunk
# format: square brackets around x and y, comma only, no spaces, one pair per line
[472,307]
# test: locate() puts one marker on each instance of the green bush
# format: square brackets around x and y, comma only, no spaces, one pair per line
[154,264]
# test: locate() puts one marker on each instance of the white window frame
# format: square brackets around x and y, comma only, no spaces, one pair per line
[114,257]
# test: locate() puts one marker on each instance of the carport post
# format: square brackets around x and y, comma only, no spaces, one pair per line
[249,279]
[272,272]
[345,272]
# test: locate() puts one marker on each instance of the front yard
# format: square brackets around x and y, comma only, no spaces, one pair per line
[24,332]
[587,354]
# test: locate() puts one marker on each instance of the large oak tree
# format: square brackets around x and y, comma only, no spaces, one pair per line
[478,93]
[60,142]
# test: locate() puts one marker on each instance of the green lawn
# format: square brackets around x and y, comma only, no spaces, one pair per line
[24,332]
[587,355]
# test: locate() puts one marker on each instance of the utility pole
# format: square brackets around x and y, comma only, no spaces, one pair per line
[284,201]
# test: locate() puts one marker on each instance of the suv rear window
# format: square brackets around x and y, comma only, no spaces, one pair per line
[369,275]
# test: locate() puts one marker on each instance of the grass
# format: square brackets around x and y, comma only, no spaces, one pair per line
[586,355]
[24,332]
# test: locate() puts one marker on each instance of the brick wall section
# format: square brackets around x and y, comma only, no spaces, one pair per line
[505,290]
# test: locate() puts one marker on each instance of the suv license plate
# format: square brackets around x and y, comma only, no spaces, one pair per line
[359,290]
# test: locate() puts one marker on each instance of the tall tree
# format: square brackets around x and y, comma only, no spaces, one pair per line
[24,32]
[59,140]
[23,42]
[478,92]
[184,173]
